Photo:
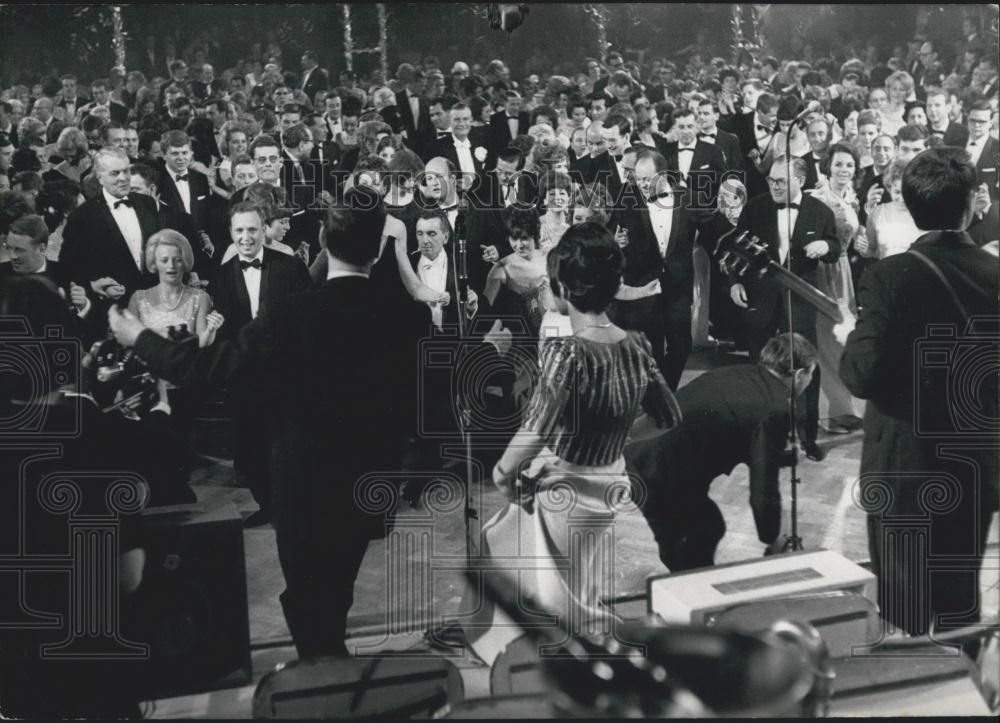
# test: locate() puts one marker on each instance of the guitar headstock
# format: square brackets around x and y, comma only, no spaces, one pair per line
[738,256]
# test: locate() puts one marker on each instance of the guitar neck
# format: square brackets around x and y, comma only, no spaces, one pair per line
[804,290]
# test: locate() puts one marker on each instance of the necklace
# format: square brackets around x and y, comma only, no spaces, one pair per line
[597,326]
[163,302]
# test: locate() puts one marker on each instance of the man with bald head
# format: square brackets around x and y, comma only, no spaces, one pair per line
[104,237]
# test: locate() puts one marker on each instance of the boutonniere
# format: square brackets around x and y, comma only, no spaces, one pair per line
[480,154]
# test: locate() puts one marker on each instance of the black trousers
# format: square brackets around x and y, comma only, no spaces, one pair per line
[319,586]
[667,326]
[251,441]
[686,524]
[757,338]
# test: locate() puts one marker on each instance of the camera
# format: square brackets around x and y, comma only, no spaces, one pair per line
[955,380]
[34,367]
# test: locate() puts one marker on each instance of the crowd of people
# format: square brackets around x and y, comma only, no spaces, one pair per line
[237,210]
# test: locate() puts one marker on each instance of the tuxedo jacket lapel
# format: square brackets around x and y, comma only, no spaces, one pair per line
[240,285]
[267,279]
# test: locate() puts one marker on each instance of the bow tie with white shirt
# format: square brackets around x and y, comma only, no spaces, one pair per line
[128,223]
[685,154]
[434,273]
[251,277]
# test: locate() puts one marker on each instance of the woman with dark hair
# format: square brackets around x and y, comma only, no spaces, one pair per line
[840,166]
[915,113]
[564,470]
[516,282]
[481,111]
[55,202]
[554,190]
[150,150]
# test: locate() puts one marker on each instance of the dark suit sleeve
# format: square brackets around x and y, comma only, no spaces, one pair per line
[860,365]
[828,232]
[300,280]
[766,447]
[188,365]
[71,255]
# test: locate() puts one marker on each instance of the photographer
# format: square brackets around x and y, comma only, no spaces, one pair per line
[61,438]
[732,415]
[908,478]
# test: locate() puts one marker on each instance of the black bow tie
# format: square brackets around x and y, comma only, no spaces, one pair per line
[689,150]
[766,129]
[123,202]
[664,194]
[706,135]
[618,159]
[443,134]
[244,265]
[788,205]
[183,178]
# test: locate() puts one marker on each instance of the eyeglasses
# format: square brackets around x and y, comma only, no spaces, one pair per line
[267,159]
[777,182]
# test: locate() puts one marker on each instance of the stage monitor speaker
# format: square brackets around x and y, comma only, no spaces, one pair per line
[191,607]
[695,596]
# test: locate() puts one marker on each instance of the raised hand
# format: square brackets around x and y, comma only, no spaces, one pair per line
[124,325]
[738,294]
[213,322]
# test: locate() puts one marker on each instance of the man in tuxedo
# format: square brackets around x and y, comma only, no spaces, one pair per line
[699,166]
[659,237]
[818,135]
[439,111]
[730,416]
[314,78]
[104,237]
[755,133]
[26,242]
[336,416]
[466,156]
[912,141]
[413,109]
[325,154]
[186,198]
[939,121]
[506,125]
[813,239]
[506,185]
[922,461]
[983,149]
[43,110]
[709,132]
[100,92]
[302,180]
[605,165]
[333,105]
[256,277]
[70,101]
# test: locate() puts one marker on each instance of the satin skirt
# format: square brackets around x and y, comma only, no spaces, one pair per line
[553,552]
[835,281]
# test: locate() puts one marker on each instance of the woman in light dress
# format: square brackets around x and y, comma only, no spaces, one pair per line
[890,228]
[836,191]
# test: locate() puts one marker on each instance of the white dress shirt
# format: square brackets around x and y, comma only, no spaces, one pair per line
[128,224]
[334,126]
[763,137]
[463,149]
[661,216]
[183,189]
[251,277]
[685,154]
[975,149]
[512,125]
[414,108]
[434,273]
[784,239]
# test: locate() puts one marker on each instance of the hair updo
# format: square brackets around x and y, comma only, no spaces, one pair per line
[585,267]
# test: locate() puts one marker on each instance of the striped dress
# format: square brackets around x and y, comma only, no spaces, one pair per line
[560,545]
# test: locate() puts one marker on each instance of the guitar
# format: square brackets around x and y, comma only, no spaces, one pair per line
[747,256]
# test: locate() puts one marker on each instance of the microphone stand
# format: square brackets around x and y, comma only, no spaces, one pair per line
[460,277]
[793,543]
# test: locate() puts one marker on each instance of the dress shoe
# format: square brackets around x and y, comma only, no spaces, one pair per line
[814,451]
[257,519]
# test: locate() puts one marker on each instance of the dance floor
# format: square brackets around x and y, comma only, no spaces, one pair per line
[415,582]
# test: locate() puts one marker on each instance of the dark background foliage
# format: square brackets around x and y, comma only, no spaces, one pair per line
[35,39]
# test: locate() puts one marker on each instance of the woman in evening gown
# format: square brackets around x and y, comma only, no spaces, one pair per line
[564,471]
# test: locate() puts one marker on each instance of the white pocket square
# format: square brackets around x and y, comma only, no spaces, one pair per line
[989,170]
[810,233]
[202,198]
[702,168]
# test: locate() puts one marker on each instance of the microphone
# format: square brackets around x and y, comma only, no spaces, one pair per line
[814,106]
[462,271]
